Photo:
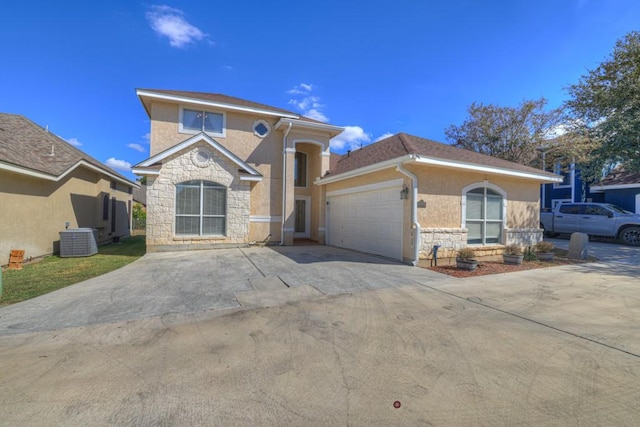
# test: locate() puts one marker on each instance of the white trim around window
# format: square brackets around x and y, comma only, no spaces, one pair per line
[485,185]
[557,169]
[266,125]
[182,129]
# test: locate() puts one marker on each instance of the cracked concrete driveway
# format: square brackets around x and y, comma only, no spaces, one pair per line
[184,283]
[555,346]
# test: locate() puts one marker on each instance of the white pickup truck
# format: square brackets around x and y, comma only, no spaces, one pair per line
[594,219]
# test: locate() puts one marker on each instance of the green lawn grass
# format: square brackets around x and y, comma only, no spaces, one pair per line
[54,272]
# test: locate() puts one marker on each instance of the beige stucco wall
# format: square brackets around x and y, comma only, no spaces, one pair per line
[34,211]
[263,154]
[440,190]
[161,193]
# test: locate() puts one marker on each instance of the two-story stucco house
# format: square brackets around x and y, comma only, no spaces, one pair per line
[226,172]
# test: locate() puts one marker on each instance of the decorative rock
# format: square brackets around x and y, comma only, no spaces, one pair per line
[578,246]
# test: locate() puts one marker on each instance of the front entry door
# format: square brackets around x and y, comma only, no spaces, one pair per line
[302,215]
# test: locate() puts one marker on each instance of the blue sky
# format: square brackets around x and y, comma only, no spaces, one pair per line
[377,67]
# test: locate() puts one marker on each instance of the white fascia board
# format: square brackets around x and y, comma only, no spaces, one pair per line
[25,171]
[251,178]
[143,171]
[99,170]
[488,169]
[197,101]
[614,187]
[188,142]
[364,170]
[48,177]
[309,125]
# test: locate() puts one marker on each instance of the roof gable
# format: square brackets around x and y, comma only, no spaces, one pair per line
[28,148]
[404,145]
[218,100]
[149,164]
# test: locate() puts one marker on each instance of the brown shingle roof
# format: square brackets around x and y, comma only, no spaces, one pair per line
[402,144]
[226,99]
[619,176]
[23,143]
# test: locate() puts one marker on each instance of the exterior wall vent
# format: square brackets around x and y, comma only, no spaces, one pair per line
[78,242]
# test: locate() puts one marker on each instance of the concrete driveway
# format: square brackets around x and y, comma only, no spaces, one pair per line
[606,250]
[187,283]
[555,346]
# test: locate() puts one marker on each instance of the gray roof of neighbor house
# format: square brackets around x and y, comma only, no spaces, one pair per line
[226,99]
[30,147]
[402,144]
[140,194]
[619,176]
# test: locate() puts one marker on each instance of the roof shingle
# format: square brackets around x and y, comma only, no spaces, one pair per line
[25,144]
[619,176]
[402,144]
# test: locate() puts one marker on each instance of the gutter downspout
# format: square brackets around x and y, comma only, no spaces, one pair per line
[284,181]
[414,212]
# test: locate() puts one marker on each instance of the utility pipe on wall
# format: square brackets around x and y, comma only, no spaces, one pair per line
[284,182]
[414,212]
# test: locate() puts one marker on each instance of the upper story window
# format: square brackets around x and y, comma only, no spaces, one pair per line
[566,171]
[300,170]
[195,121]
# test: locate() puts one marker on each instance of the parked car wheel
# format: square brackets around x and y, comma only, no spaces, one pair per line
[630,236]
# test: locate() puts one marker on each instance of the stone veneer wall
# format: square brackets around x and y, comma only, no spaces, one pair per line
[449,239]
[161,193]
[453,239]
[523,236]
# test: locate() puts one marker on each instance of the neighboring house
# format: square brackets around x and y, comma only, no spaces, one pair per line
[620,188]
[140,194]
[46,184]
[572,189]
[226,172]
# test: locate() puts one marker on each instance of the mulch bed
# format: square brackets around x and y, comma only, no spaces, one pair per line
[497,267]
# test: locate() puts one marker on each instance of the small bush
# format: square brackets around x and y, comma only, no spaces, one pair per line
[513,249]
[543,247]
[466,253]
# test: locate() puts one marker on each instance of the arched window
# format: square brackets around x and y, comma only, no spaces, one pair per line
[484,216]
[201,208]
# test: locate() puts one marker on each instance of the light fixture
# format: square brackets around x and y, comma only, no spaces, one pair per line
[404,193]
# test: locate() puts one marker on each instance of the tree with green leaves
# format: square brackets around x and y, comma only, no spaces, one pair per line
[604,109]
[510,133]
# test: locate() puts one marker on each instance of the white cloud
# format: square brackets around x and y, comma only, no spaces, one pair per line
[170,22]
[316,115]
[352,138]
[74,142]
[118,164]
[301,89]
[383,136]
[309,105]
[137,147]
[146,138]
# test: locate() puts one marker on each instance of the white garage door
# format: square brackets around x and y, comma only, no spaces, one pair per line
[367,221]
